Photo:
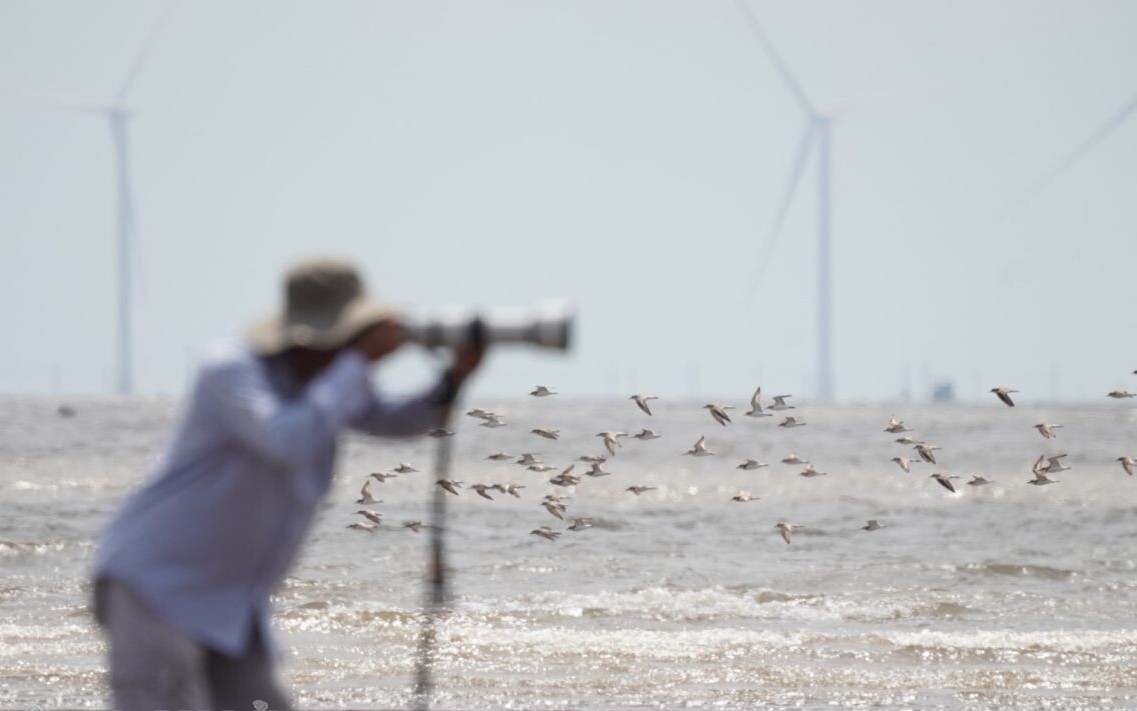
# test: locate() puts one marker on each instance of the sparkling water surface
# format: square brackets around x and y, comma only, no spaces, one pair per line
[1006,596]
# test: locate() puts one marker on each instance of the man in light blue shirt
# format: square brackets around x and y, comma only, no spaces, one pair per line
[184,570]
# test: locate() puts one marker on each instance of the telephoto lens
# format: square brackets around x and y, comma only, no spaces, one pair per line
[546,325]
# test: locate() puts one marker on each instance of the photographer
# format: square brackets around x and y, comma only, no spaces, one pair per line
[184,571]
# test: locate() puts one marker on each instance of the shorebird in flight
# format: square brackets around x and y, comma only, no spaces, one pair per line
[528,458]
[596,470]
[481,414]
[637,490]
[642,401]
[780,403]
[365,496]
[909,440]
[977,480]
[719,412]
[1040,479]
[743,497]
[369,527]
[579,524]
[751,464]
[925,452]
[1054,464]
[1046,429]
[381,477]
[405,468]
[591,458]
[792,458]
[565,479]
[872,525]
[493,422]
[1120,394]
[905,463]
[500,456]
[1127,463]
[1004,394]
[415,526]
[481,489]
[809,472]
[787,529]
[612,440]
[546,533]
[756,405]
[542,391]
[450,485]
[700,448]
[896,426]
[791,422]
[945,480]
[513,490]
[546,432]
[645,433]
[539,468]
[372,516]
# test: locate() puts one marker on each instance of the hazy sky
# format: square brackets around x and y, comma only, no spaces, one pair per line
[626,155]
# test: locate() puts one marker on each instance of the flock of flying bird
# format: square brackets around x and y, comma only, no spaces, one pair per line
[1043,469]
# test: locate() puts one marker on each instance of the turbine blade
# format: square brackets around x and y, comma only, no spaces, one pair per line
[1085,147]
[781,67]
[143,53]
[783,207]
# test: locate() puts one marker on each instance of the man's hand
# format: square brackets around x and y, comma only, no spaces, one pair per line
[466,360]
[380,340]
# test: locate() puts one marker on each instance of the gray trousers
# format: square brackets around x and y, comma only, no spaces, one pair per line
[155,667]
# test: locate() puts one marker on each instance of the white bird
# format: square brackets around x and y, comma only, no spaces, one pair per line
[751,464]
[1054,464]
[719,412]
[1040,479]
[792,458]
[646,434]
[612,440]
[756,405]
[642,401]
[579,524]
[700,448]
[780,403]
[1004,394]
[365,496]
[546,432]
[542,391]
[909,440]
[743,497]
[405,468]
[787,529]
[513,490]
[1120,394]
[540,468]
[1127,463]
[1046,429]
[791,422]
[591,458]
[494,422]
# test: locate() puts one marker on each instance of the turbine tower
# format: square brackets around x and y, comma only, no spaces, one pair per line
[118,117]
[818,126]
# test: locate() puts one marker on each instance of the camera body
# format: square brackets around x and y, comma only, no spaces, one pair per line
[546,325]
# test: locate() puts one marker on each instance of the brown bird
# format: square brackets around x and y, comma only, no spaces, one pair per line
[546,533]
[896,426]
[977,480]
[1004,394]
[719,412]
[925,452]
[905,463]
[450,485]
[546,433]
[1127,463]
[791,422]
[642,400]
[637,490]
[787,529]
[415,526]
[371,516]
[365,496]
[945,481]
[1046,429]
[809,472]
[481,489]
[743,496]
[1120,394]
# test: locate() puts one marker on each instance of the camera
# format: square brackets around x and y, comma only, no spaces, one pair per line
[546,325]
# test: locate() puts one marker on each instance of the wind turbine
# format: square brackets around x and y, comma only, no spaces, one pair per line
[817,131]
[118,117]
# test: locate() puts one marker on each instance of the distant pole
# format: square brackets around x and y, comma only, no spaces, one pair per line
[124,382]
[824,269]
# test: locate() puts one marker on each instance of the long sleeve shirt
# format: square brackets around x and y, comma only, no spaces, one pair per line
[219,520]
